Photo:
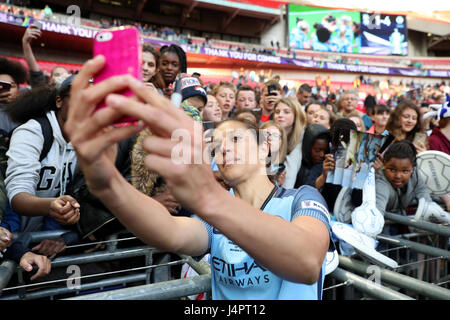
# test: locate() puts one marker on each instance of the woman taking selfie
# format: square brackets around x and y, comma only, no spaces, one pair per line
[268,257]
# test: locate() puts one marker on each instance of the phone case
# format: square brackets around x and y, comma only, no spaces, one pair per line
[420,137]
[122,50]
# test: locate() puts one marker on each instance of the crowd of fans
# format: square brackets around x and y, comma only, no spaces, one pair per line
[297,129]
[21,8]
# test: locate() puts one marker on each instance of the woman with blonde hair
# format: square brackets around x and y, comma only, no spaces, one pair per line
[290,115]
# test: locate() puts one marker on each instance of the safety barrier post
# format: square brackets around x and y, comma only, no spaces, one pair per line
[369,287]
[422,248]
[439,229]
[420,287]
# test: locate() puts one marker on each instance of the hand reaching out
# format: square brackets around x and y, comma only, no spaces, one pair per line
[420,146]
[86,131]
[6,238]
[42,262]
[50,247]
[31,33]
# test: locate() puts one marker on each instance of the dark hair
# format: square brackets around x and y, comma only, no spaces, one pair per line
[340,130]
[239,112]
[249,126]
[15,69]
[323,136]
[272,83]
[179,52]
[381,108]
[148,48]
[313,102]
[245,87]
[156,79]
[403,149]
[304,87]
[369,102]
[32,103]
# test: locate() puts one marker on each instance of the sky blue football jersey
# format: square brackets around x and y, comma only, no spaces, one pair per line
[237,276]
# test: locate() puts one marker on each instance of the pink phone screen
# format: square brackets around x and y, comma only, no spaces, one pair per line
[122,50]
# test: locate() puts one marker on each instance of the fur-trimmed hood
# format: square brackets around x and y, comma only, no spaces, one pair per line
[144,180]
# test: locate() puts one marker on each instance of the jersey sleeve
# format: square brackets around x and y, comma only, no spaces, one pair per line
[209,229]
[309,202]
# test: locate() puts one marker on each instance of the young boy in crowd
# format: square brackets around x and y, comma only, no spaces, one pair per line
[194,97]
[399,185]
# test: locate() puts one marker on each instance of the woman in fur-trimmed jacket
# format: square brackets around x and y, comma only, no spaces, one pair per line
[150,182]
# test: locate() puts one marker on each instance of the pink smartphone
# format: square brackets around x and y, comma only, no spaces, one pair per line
[122,49]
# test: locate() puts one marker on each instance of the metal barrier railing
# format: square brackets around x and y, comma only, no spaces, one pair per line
[39,290]
[162,290]
[350,273]
[401,281]
[428,253]
[368,287]
[437,229]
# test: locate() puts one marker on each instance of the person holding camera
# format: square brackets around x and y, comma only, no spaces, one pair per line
[36,75]
[270,94]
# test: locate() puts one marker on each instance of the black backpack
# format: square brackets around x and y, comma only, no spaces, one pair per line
[5,139]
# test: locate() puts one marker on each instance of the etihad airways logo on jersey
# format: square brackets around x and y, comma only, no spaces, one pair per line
[228,273]
[232,269]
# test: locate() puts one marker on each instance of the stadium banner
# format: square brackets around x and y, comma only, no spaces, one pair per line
[383,34]
[248,56]
[71,30]
[86,32]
